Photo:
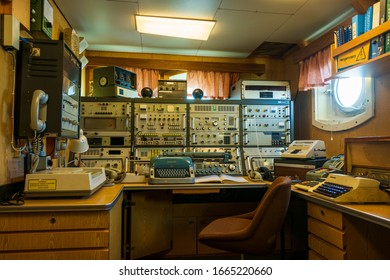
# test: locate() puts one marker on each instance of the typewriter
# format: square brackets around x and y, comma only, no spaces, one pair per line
[349,189]
[171,170]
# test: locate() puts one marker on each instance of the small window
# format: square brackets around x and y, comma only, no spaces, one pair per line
[343,103]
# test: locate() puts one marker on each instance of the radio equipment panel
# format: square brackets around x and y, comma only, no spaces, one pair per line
[99,115]
[258,89]
[261,157]
[98,140]
[266,124]
[118,158]
[142,156]
[214,125]
[160,124]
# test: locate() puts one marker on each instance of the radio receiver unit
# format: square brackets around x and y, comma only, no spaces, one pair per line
[172,89]
[259,89]
[114,81]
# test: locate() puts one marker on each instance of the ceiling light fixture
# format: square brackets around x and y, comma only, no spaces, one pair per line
[175,27]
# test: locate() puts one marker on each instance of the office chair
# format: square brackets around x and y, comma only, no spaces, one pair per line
[253,233]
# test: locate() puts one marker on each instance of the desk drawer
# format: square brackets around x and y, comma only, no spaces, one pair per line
[326,232]
[325,249]
[93,254]
[54,240]
[53,221]
[326,215]
[315,256]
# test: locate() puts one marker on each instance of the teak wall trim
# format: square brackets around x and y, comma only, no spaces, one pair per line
[175,63]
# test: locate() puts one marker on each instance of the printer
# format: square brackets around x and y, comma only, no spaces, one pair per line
[305,149]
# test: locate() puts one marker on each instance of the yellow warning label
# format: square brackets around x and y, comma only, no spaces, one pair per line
[354,56]
[42,184]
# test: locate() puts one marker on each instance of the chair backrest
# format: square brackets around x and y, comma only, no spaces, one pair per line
[270,214]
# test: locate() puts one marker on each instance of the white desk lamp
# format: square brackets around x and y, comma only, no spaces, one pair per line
[78,146]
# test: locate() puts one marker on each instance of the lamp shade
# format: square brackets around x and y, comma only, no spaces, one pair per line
[79,145]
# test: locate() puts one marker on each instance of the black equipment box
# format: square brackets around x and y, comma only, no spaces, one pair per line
[296,168]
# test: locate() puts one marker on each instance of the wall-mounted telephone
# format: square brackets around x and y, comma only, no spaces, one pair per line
[38,111]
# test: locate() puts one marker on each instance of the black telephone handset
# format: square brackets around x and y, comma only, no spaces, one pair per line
[262,173]
[38,111]
[266,174]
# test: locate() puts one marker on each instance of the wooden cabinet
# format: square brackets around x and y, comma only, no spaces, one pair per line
[148,222]
[336,235]
[61,234]
[326,234]
[190,218]
[373,67]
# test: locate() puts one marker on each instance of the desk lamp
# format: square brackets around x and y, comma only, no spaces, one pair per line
[78,146]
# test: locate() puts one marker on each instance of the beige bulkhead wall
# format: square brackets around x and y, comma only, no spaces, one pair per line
[275,69]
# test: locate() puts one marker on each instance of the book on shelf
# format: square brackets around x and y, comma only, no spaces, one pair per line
[376,14]
[223,178]
[387,42]
[382,11]
[377,46]
[387,12]
[357,25]
[368,19]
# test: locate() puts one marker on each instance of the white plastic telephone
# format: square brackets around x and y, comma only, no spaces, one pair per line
[38,111]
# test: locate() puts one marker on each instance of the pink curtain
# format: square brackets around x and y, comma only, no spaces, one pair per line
[146,78]
[215,85]
[314,70]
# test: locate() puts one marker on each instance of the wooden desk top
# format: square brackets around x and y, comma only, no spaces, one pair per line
[106,197]
[200,186]
[103,199]
[374,212]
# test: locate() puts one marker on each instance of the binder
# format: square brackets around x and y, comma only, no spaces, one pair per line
[368,19]
[358,25]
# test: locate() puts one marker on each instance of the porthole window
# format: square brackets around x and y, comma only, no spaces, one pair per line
[349,94]
[343,103]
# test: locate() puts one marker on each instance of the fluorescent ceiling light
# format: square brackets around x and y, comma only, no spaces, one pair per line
[175,27]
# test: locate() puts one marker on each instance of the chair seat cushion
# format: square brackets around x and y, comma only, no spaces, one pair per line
[226,228]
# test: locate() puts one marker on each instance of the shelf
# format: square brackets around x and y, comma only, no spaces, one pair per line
[374,67]
[381,29]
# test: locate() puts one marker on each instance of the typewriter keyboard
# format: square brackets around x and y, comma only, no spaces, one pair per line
[172,173]
[332,190]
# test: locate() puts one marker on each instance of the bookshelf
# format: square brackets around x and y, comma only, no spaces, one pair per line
[373,67]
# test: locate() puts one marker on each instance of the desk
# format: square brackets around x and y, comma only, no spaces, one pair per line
[176,214]
[346,231]
[91,228]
